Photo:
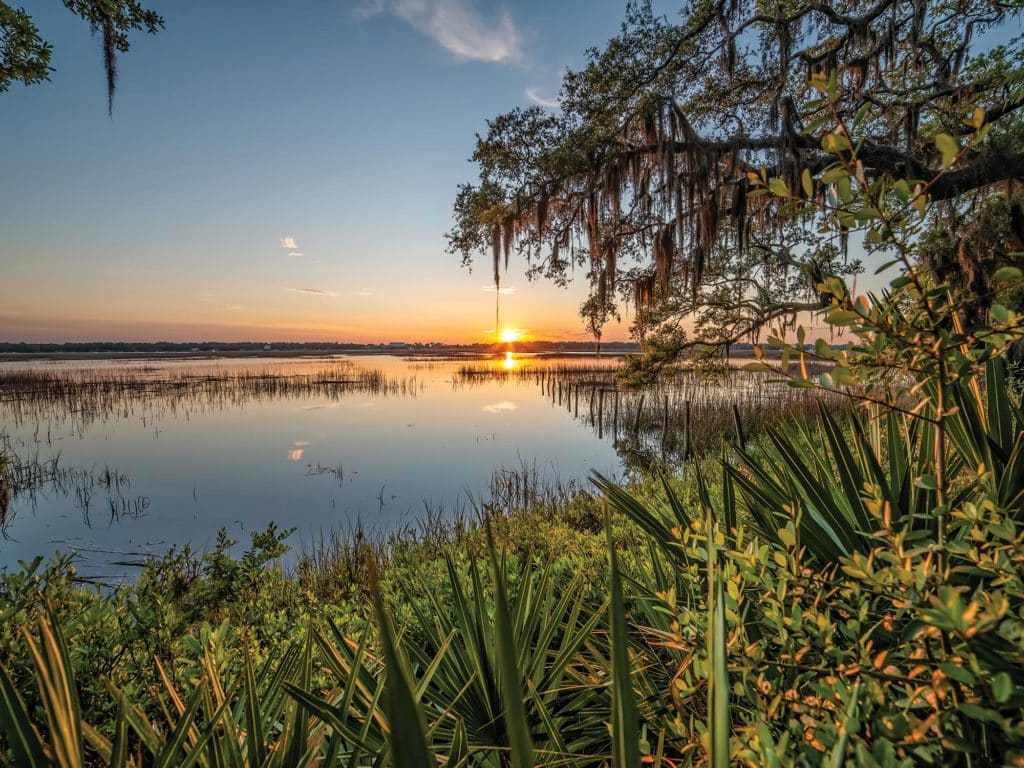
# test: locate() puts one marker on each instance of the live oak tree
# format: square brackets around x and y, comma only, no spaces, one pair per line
[643,181]
[25,55]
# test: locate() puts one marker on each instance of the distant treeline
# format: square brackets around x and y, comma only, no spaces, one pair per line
[128,347]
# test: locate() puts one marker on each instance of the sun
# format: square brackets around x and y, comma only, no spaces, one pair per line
[509,335]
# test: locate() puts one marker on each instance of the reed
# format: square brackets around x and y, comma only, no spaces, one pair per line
[686,414]
[89,395]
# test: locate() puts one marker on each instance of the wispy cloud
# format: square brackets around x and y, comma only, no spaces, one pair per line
[364,292]
[457,26]
[505,290]
[536,98]
[295,253]
[233,307]
[314,291]
[289,243]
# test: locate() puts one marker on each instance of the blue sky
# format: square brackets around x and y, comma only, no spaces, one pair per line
[276,170]
[343,125]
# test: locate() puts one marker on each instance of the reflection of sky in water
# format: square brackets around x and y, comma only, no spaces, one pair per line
[503,407]
[309,462]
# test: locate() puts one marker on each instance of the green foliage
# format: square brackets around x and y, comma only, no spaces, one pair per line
[848,590]
[25,56]
[680,167]
[625,719]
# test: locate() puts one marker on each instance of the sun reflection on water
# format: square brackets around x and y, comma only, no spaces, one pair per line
[510,362]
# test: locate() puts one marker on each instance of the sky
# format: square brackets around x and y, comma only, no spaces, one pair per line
[275,171]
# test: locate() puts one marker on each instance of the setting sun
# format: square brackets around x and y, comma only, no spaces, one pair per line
[509,335]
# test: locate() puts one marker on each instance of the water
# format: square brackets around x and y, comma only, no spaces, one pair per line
[155,466]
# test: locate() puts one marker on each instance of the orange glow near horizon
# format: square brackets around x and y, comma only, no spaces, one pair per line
[164,310]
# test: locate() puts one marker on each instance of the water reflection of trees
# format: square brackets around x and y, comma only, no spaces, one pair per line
[687,413]
[100,494]
[38,402]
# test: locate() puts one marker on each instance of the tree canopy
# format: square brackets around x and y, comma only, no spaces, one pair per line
[645,180]
[25,55]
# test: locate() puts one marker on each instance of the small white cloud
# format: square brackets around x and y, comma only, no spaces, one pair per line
[455,25]
[295,253]
[505,290]
[536,98]
[364,292]
[314,291]
[505,406]
[289,243]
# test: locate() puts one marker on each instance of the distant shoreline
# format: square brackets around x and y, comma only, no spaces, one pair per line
[411,350]
[452,352]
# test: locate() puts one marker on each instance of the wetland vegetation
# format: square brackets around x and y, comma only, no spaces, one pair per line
[817,560]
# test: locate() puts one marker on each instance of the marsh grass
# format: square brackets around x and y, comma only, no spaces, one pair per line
[521,502]
[24,476]
[690,411]
[89,395]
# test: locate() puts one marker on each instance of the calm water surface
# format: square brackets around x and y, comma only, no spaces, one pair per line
[185,465]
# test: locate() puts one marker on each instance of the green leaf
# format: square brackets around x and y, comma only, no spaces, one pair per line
[176,740]
[57,692]
[119,748]
[719,725]
[920,204]
[807,182]
[520,743]
[22,737]
[948,147]
[834,174]
[836,143]
[1007,274]
[842,317]
[625,719]
[255,739]
[408,735]
[838,758]
[1002,687]
[901,281]
[778,188]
